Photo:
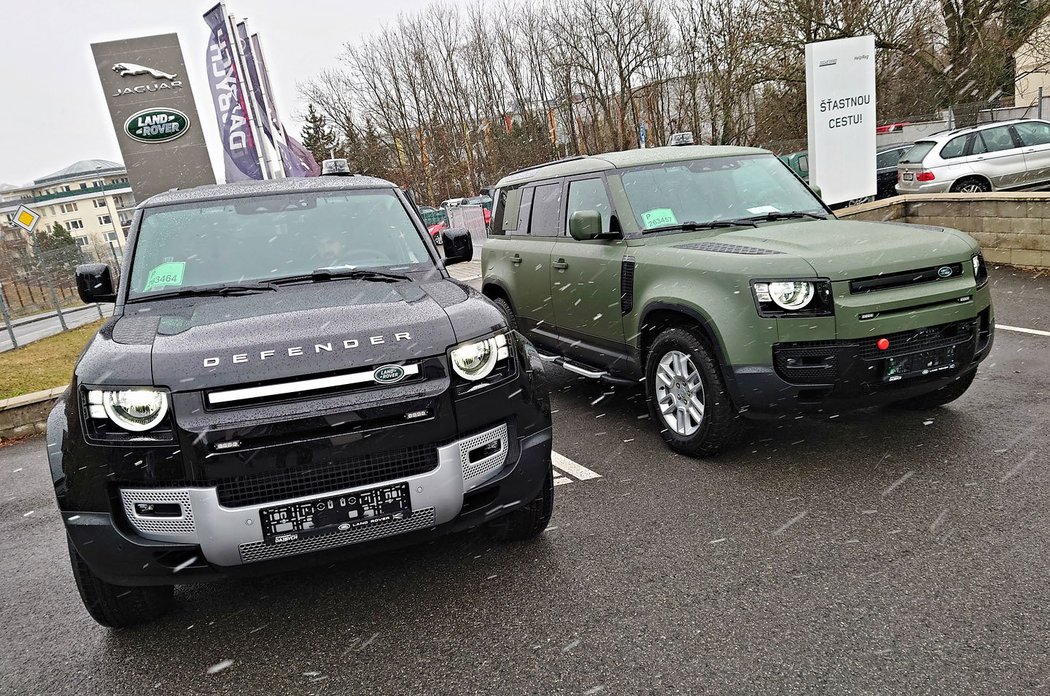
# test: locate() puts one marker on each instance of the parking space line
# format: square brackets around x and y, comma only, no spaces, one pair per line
[559,480]
[1034,332]
[570,469]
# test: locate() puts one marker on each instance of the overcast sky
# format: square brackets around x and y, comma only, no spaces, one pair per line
[54,112]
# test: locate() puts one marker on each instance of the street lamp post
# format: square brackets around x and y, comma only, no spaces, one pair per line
[112,216]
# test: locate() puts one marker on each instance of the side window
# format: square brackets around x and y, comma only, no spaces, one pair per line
[887,159]
[546,213]
[589,194]
[978,147]
[505,211]
[998,139]
[524,210]
[1033,133]
[956,147]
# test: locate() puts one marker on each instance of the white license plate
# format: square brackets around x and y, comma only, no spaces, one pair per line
[908,176]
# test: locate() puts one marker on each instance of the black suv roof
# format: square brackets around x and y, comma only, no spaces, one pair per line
[264,188]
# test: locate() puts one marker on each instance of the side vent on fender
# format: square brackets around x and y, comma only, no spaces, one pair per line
[627,285]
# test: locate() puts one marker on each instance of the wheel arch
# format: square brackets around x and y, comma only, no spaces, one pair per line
[971,177]
[494,288]
[658,316]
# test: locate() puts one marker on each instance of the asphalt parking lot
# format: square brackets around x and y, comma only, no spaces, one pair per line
[881,551]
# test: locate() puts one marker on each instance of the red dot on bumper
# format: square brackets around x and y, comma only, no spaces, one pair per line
[882,343]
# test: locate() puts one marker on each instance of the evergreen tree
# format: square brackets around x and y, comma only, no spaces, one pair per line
[318,138]
[54,237]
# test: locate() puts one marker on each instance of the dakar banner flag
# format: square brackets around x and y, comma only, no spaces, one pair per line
[239,149]
[298,161]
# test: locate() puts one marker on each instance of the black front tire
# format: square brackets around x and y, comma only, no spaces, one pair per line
[530,521]
[946,394]
[971,185]
[116,606]
[721,424]
[508,312]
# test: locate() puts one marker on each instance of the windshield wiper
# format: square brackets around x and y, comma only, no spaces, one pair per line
[690,226]
[322,274]
[771,217]
[225,289]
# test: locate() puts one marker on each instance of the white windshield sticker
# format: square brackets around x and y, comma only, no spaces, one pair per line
[762,209]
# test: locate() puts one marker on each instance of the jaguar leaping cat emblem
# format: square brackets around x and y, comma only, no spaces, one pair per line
[130,69]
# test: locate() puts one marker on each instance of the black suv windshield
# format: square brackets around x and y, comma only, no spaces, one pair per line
[718,188]
[215,243]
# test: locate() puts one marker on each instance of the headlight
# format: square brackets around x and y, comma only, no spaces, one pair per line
[475,360]
[135,410]
[789,294]
[791,298]
[980,271]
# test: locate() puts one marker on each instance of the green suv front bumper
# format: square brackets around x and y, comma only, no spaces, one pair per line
[843,374]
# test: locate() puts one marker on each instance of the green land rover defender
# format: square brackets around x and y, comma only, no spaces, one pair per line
[720,280]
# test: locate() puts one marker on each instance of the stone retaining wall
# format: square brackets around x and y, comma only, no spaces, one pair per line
[27,414]
[1012,228]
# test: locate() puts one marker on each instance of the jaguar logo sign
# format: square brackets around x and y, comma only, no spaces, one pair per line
[132,69]
[166,80]
[388,374]
[156,125]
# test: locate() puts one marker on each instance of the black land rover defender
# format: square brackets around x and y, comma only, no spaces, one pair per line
[289,373]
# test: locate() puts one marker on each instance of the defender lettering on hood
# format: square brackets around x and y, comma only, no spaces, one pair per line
[299,351]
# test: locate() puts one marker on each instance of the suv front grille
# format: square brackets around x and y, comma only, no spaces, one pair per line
[929,338]
[325,478]
[897,280]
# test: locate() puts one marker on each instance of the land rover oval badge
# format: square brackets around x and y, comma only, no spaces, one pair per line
[388,374]
[944,271]
[156,125]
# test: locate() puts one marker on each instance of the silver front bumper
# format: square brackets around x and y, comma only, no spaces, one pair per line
[233,536]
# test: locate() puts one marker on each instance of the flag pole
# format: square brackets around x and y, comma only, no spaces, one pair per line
[245,88]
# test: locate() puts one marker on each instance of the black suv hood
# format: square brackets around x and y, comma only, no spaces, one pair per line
[318,328]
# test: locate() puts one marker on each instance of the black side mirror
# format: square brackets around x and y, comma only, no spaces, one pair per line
[458,245]
[95,283]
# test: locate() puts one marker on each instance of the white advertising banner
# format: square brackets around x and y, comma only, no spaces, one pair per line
[840,103]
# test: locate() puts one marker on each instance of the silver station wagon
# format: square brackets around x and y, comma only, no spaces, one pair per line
[987,157]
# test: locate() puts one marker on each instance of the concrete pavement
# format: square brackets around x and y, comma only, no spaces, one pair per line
[876,552]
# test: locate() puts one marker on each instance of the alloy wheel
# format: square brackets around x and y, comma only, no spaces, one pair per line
[679,393]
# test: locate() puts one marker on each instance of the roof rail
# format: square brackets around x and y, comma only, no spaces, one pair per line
[547,164]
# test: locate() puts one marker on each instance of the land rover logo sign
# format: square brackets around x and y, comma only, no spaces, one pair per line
[388,374]
[156,125]
[944,271]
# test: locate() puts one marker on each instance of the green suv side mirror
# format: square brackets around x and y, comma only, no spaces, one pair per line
[585,224]
[816,190]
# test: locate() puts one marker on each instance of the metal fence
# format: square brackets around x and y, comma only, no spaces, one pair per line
[38,284]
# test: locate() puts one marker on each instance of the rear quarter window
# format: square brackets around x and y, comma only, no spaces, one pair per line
[956,147]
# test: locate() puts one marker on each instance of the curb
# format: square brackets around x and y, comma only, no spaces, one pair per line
[27,414]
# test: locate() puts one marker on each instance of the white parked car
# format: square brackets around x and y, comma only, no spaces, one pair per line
[985,157]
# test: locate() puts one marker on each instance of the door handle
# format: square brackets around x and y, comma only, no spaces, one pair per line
[560,265]
[516,260]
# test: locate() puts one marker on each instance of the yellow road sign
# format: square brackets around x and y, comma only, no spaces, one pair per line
[26,218]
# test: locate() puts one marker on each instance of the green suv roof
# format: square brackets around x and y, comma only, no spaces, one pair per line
[623,159]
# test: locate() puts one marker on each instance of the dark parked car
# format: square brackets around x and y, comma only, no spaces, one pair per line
[290,373]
